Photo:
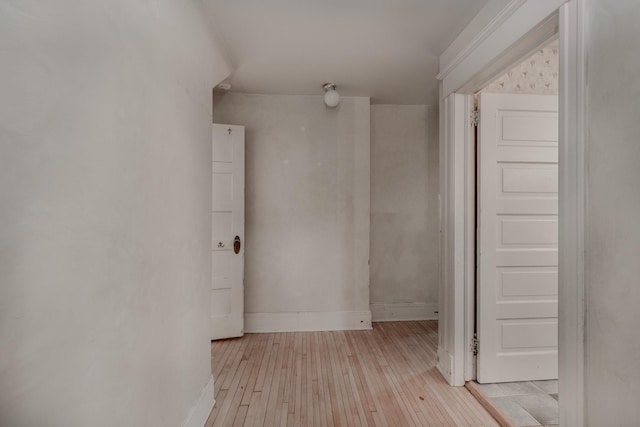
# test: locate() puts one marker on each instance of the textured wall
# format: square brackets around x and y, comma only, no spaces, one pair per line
[307,201]
[613,209]
[404,211]
[537,74]
[105,222]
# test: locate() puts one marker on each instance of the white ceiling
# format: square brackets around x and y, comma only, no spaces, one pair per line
[385,49]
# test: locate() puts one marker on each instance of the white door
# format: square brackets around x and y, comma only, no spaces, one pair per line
[227,232]
[517,238]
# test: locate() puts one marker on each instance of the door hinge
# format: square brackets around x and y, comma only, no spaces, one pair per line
[475,117]
[475,345]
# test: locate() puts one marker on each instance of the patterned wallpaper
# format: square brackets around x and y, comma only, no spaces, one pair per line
[537,74]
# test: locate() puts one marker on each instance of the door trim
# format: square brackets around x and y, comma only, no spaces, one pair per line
[457,226]
[462,78]
[496,39]
[572,202]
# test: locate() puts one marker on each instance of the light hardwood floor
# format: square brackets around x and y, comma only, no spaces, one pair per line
[382,377]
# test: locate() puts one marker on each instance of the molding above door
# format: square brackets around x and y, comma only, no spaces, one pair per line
[500,42]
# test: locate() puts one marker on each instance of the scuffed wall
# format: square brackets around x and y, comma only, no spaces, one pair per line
[404,212]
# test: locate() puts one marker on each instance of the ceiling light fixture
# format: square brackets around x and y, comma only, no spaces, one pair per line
[331,96]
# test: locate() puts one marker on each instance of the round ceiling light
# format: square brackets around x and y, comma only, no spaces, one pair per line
[331,96]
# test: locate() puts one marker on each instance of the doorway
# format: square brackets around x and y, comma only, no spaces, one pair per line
[516,242]
[463,72]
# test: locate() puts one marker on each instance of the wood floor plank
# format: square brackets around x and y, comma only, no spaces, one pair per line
[256,359]
[388,405]
[381,377]
[281,401]
[264,363]
[239,387]
[272,415]
[371,385]
[234,402]
[252,412]
[343,415]
[313,392]
[387,354]
[324,398]
[221,396]
[241,415]
[357,402]
[407,365]
[234,363]
[265,386]
[217,368]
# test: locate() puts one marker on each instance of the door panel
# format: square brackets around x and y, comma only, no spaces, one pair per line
[527,282]
[526,232]
[521,126]
[517,238]
[227,221]
[528,178]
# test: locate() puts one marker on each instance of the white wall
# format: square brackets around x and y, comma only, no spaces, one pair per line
[307,210]
[613,209]
[104,212]
[404,212]
[470,33]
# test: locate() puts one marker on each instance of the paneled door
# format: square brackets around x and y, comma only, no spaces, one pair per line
[227,232]
[517,238]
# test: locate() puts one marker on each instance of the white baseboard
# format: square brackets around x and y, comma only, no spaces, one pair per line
[382,312]
[445,365]
[200,411]
[307,321]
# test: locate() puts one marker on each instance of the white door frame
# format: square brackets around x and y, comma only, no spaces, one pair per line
[497,38]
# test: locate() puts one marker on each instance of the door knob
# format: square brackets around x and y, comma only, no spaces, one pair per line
[236,244]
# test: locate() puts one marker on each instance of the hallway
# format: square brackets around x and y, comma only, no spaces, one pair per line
[382,377]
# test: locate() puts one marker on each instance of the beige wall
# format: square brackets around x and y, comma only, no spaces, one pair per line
[307,210]
[613,208]
[404,212]
[104,212]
